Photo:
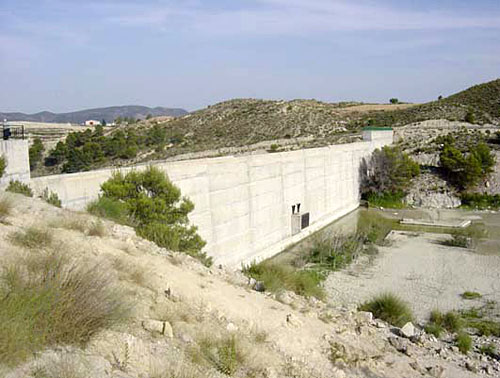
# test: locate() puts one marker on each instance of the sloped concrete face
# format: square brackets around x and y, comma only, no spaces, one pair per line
[15,151]
[243,205]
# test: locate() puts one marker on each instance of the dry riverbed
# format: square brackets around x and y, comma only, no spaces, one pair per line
[418,268]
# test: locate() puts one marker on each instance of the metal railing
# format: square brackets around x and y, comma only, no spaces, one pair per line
[13,131]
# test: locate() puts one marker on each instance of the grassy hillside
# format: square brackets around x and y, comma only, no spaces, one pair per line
[482,101]
[241,123]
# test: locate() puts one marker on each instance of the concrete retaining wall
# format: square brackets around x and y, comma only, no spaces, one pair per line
[15,152]
[243,204]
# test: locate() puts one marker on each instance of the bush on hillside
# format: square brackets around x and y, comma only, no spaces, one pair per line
[480,201]
[51,197]
[390,308]
[16,186]
[466,169]
[109,208]
[276,278]
[155,207]
[47,300]
[387,173]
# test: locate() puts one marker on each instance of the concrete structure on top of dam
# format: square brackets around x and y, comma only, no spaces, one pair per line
[250,207]
[15,152]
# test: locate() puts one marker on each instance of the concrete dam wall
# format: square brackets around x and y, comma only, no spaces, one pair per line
[243,205]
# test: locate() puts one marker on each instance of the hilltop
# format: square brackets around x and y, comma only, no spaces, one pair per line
[109,114]
[250,125]
[481,101]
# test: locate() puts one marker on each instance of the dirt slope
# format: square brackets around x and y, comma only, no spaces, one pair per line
[292,338]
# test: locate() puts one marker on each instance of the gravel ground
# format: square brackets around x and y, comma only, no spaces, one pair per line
[420,270]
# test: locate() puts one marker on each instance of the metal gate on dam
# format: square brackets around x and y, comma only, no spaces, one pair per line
[247,207]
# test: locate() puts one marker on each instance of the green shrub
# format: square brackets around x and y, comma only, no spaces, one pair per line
[105,207]
[434,329]
[374,226]
[32,238]
[16,186]
[386,200]
[464,342]
[386,176]
[390,308]
[480,201]
[224,354]
[451,321]
[465,169]
[274,147]
[3,165]
[488,349]
[471,295]
[46,300]
[51,198]
[35,153]
[176,238]
[277,278]
[155,207]
[335,252]
[485,327]
[438,322]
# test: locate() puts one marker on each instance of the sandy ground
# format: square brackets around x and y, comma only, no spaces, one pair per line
[420,270]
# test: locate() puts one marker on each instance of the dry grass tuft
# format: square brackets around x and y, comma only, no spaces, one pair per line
[32,238]
[74,223]
[97,228]
[65,366]
[46,299]
[6,206]
[223,353]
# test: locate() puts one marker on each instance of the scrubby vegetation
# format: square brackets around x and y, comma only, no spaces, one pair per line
[109,208]
[467,167]
[35,153]
[16,186]
[386,176]
[276,278]
[466,237]
[482,99]
[86,150]
[32,238]
[458,322]
[450,321]
[51,198]
[390,308]
[464,342]
[5,208]
[46,299]
[471,295]
[3,165]
[480,201]
[149,202]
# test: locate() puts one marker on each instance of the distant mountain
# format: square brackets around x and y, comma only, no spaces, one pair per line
[109,114]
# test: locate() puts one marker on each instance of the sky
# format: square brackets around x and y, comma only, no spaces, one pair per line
[68,55]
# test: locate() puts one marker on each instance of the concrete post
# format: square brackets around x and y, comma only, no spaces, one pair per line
[15,152]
